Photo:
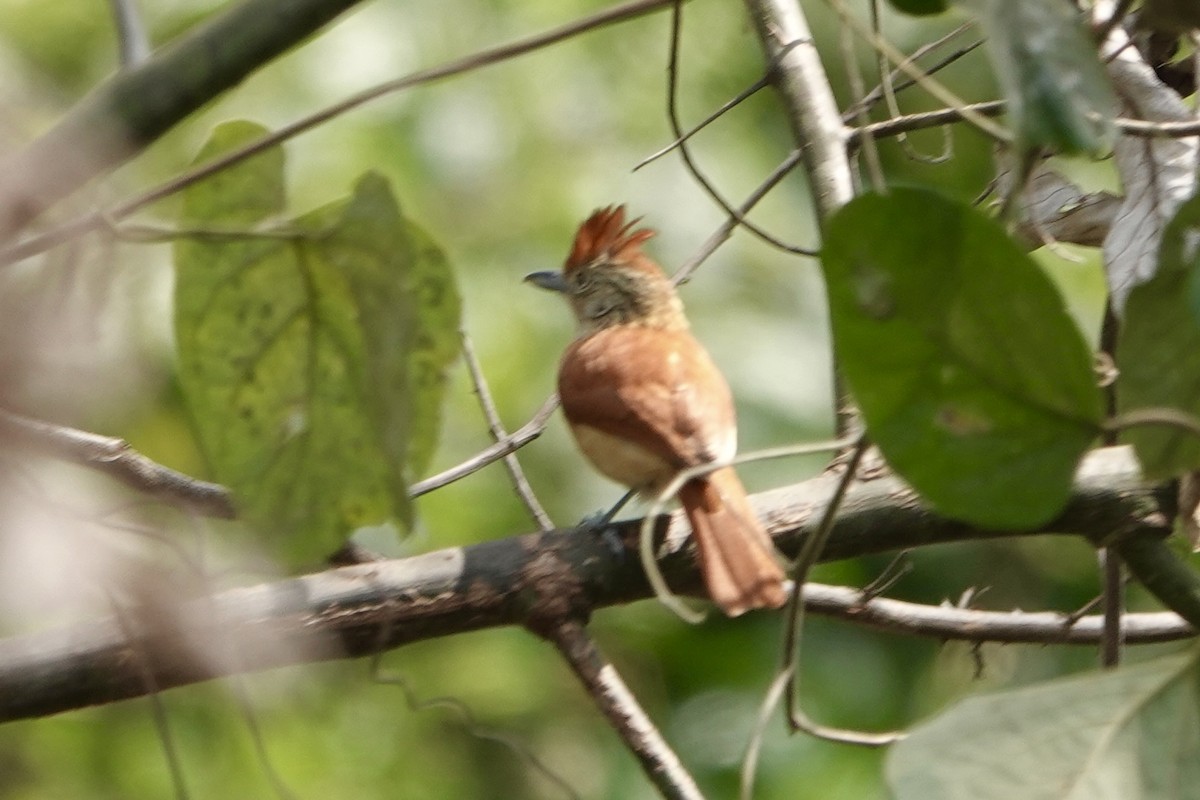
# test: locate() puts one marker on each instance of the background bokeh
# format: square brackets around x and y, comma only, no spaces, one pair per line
[499,165]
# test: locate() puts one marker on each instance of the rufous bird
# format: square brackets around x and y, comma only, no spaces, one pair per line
[644,401]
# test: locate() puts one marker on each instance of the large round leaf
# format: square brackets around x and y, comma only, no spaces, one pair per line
[973,380]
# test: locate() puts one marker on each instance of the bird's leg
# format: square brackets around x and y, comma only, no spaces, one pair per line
[598,523]
[612,512]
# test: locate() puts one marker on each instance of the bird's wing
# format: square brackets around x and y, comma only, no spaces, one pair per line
[654,387]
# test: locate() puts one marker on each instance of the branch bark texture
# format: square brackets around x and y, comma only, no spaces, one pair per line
[535,580]
[618,705]
[812,110]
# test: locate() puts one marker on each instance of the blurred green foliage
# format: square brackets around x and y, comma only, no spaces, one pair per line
[499,165]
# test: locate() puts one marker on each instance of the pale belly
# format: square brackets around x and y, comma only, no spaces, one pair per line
[622,460]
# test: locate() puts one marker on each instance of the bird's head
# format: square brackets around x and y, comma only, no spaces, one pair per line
[608,280]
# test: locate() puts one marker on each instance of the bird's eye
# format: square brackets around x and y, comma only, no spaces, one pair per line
[599,309]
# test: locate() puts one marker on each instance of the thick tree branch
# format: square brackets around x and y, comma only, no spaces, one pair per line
[808,97]
[532,580]
[816,124]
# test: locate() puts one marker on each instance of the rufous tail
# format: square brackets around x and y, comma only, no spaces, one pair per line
[736,556]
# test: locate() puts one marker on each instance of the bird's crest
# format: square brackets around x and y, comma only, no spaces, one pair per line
[607,236]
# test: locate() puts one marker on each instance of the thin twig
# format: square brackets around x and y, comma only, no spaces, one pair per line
[896,569]
[758,734]
[809,554]
[1109,25]
[854,72]
[610,694]
[876,94]
[1112,591]
[740,97]
[685,152]
[722,233]
[466,719]
[929,84]
[158,710]
[1112,635]
[951,623]
[1151,417]
[115,458]
[511,464]
[142,233]
[646,533]
[1180,129]
[893,106]
[230,651]
[241,696]
[918,121]
[509,444]
[131,32]
[1085,609]
[927,119]
[477,60]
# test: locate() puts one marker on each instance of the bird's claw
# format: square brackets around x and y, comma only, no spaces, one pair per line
[600,525]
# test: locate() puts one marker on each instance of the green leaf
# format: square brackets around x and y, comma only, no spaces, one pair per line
[1131,732]
[920,8]
[972,378]
[1057,91]
[439,312]
[1158,352]
[312,352]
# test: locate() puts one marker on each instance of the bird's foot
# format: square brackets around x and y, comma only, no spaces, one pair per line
[600,525]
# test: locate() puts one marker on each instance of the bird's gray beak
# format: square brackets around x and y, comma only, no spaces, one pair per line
[552,280]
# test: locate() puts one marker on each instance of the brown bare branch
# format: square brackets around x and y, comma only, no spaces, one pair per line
[115,458]
[951,623]
[623,712]
[534,580]
[512,465]
[490,455]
